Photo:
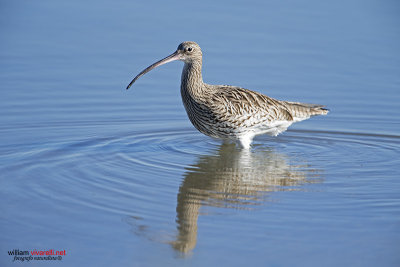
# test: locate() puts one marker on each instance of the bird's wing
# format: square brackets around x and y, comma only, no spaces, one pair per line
[246,106]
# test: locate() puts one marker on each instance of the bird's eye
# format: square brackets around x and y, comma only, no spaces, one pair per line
[189,49]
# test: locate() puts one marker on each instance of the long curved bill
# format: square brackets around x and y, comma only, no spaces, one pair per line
[174,56]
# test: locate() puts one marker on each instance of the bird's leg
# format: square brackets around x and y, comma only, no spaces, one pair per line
[245,141]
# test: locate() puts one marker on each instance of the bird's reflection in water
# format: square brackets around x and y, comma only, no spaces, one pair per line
[233,178]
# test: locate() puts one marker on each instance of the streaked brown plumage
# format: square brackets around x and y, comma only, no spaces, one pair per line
[230,112]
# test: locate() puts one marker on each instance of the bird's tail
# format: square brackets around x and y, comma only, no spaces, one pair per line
[302,111]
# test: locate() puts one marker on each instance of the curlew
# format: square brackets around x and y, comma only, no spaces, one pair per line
[230,112]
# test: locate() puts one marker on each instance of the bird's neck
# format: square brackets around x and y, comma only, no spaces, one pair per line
[191,80]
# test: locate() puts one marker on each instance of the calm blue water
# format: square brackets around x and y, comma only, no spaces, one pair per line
[121,178]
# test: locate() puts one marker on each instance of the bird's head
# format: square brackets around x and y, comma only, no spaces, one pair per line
[188,52]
